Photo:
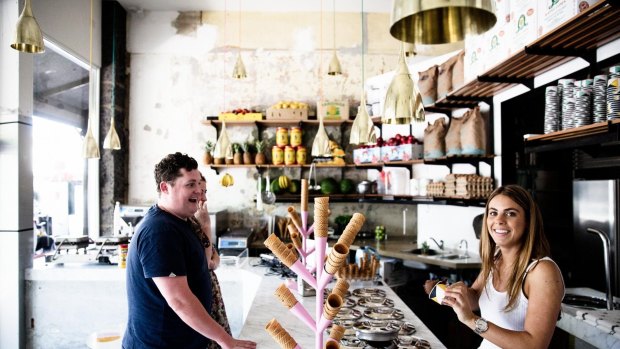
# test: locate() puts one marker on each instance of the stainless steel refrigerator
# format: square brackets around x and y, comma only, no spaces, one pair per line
[596,204]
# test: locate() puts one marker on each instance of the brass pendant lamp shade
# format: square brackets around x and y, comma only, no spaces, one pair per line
[90,148]
[334,66]
[239,71]
[320,145]
[363,129]
[111,140]
[403,101]
[431,22]
[28,37]
[222,144]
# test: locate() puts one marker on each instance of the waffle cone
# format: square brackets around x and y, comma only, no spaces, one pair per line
[296,238]
[331,269]
[294,215]
[292,229]
[336,332]
[340,251]
[329,315]
[304,195]
[272,325]
[332,345]
[289,258]
[286,296]
[341,287]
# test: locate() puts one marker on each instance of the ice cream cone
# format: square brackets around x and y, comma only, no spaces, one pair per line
[292,213]
[332,345]
[341,287]
[286,296]
[304,195]
[336,332]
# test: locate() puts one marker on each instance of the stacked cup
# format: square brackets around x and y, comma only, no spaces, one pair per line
[583,103]
[552,110]
[613,93]
[599,112]
[567,97]
[332,306]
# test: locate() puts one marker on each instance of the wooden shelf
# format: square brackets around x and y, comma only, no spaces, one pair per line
[578,37]
[597,134]
[275,123]
[383,199]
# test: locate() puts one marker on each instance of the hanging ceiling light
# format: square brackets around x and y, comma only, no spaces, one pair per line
[90,148]
[111,140]
[432,22]
[403,101]
[239,71]
[334,65]
[410,49]
[363,129]
[28,37]
[222,145]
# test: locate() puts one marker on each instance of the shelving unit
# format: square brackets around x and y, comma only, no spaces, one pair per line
[386,199]
[578,37]
[600,134]
[288,123]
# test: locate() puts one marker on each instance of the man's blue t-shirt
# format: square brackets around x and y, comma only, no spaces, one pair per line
[164,245]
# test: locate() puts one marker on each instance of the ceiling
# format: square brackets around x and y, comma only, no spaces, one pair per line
[382,6]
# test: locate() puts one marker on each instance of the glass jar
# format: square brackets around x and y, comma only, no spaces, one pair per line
[277,155]
[295,136]
[282,136]
[289,155]
[301,155]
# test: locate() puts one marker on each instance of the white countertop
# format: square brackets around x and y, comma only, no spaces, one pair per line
[266,307]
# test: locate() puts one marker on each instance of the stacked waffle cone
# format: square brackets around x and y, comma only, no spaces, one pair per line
[341,288]
[279,334]
[286,255]
[336,333]
[332,306]
[332,345]
[351,230]
[292,213]
[295,235]
[365,271]
[304,195]
[321,216]
[336,258]
[285,296]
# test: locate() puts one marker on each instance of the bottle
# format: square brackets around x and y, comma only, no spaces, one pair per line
[117,225]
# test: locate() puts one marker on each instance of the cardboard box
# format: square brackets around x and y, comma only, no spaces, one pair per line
[367,155]
[333,110]
[240,117]
[287,114]
[552,13]
[474,57]
[523,27]
[403,152]
[497,40]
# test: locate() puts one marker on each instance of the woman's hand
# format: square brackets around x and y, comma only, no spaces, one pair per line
[457,297]
[202,214]
[215,259]
[428,285]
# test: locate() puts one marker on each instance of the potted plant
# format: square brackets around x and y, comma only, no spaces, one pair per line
[247,153]
[208,156]
[260,158]
[425,248]
[237,156]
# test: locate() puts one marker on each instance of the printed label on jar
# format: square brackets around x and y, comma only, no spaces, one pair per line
[277,155]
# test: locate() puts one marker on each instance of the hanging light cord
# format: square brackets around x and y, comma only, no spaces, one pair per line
[225,49]
[363,81]
[321,53]
[334,4]
[113,107]
[239,26]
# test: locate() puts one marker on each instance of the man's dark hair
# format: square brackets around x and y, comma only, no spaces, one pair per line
[169,168]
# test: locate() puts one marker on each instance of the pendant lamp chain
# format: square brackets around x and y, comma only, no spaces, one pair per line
[90,148]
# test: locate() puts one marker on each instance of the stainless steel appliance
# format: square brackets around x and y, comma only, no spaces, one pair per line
[596,205]
[232,242]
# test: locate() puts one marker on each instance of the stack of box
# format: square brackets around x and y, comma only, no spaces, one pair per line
[435,189]
[473,187]
[552,13]
[497,40]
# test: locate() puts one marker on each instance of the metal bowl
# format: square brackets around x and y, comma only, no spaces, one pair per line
[376,331]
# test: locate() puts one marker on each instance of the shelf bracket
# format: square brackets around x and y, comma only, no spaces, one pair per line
[529,83]
[587,55]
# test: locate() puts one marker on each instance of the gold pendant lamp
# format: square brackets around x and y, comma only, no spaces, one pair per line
[223,144]
[90,148]
[320,145]
[410,49]
[431,22]
[239,70]
[111,140]
[28,37]
[363,129]
[403,101]
[334,65]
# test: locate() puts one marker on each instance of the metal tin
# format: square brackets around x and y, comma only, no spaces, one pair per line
[282,136]
[289,155]
[295,136]
[301,155]
[277,155]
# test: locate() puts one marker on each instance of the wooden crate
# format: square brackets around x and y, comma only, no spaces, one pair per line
[287,114]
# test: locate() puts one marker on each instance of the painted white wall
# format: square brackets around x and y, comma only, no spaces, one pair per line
[448,223]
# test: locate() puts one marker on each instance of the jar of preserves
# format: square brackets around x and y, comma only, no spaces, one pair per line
[295,136]
[277,155]
[282,136]
[301,155]
[289,155]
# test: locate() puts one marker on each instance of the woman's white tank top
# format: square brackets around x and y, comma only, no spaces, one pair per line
[493,302]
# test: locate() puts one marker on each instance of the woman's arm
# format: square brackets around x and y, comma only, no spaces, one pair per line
[216,258]
[545,290]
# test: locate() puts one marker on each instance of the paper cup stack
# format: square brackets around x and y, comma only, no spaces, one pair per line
[280,335]
[286,296]
[321,216]
[285,254]
[332,306]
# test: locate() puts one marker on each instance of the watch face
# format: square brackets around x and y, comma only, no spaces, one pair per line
[481,325]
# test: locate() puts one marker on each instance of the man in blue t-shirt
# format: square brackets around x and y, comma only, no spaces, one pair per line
[168,283]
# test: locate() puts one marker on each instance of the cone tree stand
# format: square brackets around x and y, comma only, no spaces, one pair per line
[295,256]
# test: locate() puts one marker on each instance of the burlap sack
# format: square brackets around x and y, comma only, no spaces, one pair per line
[473,133]
[434,139]
[444,79]
[458,72]
[453,137]
[428,85]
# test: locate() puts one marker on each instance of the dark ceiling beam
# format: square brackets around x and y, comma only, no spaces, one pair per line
[65,87]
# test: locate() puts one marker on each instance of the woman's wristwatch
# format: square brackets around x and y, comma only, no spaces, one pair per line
[481,325]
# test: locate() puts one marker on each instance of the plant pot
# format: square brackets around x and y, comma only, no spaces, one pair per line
[248,159]
[229,161]
[207,159]
[218,161]
[260,159]
[237,159]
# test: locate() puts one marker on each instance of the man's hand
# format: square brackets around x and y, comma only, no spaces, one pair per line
[202,214]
